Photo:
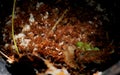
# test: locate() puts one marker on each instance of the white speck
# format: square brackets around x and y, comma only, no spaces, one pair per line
[36,36]
[47,47]
[31,19]
[60,53]
[91,2]
[6,45]
[35,49]
[57,49]
[26,28]
[98,8]
[13,47]
[98,73]
[20,35]
[92,32]
[56,10]
[38,5]
[54,35]
[11,62]
[24,42]
[4,36]
[42,34]
[33,44]
[31,33]
[90,22]
[61,43]
[46,15]
[65,71]
[55,71]
[8,22]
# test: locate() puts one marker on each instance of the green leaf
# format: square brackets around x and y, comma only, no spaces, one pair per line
[95,48]
[86,46]
[80,44]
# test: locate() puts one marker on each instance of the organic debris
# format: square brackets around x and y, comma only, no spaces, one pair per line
[56,36]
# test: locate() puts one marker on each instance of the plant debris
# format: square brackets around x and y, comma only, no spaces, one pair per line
[64,39]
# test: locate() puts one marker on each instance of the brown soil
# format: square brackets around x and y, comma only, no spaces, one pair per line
[40,38]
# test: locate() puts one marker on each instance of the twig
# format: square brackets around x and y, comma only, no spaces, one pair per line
[57,22]
[13,27]
[8,58]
